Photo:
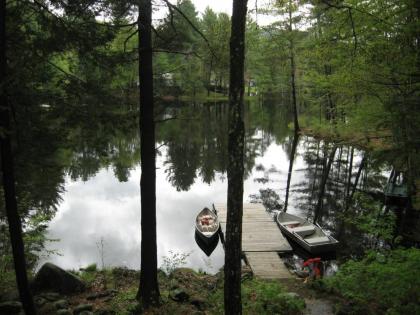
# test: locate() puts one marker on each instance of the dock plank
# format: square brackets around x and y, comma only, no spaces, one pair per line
[267,265]
[261,241]
[253,212]
[257,238]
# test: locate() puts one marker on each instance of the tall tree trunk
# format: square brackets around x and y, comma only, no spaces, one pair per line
[293,70]
[235,169]
[349,173]
[289,174]
[314,180]
[356,182]
[323,184]
[7,165]
[148,290]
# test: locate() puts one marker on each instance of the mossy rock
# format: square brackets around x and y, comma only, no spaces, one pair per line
[10,308]
[179,295]
[81,308]
[52,277]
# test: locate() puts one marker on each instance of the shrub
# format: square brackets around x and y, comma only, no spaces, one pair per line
[263,297]
[381,283]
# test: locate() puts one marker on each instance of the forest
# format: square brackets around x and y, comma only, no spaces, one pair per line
[121,120]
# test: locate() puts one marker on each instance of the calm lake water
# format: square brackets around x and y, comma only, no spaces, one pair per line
[98,219]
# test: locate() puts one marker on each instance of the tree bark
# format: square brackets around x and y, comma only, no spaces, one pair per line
[289,174]
[7,164]
[323,184]
[349,173]
[235,169]
[148,292]
[356,182]
[293,70]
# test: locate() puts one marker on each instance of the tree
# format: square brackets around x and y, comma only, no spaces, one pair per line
[289,9]
[293,68]
[289,174]
[148,290]
[235,170]
[7,167]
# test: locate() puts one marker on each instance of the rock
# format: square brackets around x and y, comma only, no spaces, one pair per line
[63,312]
[61,304]
[50,296]
[39,301]
[47,308]
[52,277]
[179,295]
[82,307]
[11,295]
[10,307]
[98,295]
[199,303]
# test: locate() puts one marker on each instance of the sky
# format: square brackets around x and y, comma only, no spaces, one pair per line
[224,6]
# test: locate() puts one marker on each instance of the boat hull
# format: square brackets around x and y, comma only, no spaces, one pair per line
[208,239]
[314,249]
[322,248]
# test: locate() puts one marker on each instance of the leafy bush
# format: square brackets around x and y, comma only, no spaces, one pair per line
[262,297]
[381,283]
[91,268]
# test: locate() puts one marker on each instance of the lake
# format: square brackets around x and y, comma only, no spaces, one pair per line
[98,217]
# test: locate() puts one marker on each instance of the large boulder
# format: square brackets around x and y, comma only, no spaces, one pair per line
[10,307]
[52,278]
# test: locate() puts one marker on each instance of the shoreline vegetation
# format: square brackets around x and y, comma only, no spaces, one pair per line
[183,291]
[186,291]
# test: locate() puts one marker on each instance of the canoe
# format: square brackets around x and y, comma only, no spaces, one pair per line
[309,236]
[207,225]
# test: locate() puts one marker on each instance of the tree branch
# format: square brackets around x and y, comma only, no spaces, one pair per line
[174,7]
[128,38]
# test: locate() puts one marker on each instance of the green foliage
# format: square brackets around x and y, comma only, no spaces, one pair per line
[262,297]
[367,215]
[125,302]
[381,283]
[91,268]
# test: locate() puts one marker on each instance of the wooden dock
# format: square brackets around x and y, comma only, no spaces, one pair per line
[262,241]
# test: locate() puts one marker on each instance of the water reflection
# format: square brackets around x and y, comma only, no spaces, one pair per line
[100,157]
[209,246]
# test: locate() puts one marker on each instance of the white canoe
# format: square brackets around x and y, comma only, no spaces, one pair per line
[207,224]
